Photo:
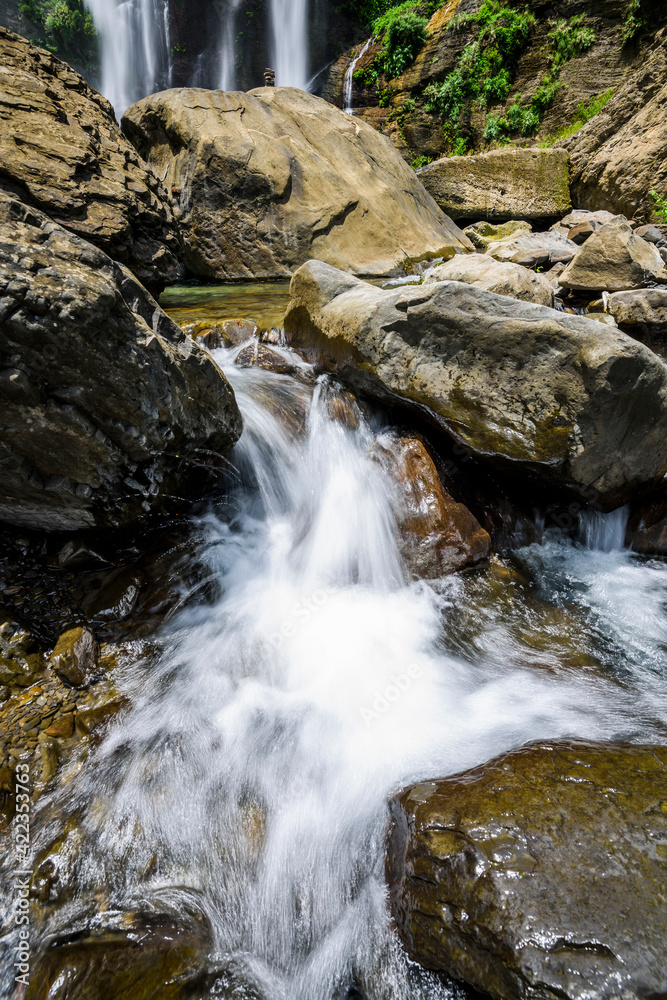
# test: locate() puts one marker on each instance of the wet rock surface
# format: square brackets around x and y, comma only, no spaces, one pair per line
[501,185]
[275,177]
[108,409]
[62,151]
[556,397]
[540,873]
[439,535]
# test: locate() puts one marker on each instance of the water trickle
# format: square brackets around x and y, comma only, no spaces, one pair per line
[135,48]
[289,43]
[253,769]
[349,78]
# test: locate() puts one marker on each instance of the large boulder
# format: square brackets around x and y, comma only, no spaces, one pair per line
[614,259]
[642,310]
[275,177]
[503,278]
[540,874]
[62,151]
[107,407]
[554,396]
[501,185]
[534,249]
[620,155]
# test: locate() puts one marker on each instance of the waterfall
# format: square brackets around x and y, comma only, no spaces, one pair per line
[604,532]
[289,42]
[227,73]
[349,78]
[135,48]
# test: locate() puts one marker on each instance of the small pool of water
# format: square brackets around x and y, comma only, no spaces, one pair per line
[264,303]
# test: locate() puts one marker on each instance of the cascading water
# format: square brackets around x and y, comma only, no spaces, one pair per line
[228,52]
[252,772]
[289,43]
[135,48]
[349,78]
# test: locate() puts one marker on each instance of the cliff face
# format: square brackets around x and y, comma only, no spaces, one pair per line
[625,71]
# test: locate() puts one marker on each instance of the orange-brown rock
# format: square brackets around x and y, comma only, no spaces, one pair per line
[438,535]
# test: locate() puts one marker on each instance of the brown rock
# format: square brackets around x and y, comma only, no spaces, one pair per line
[504,184]
[74,657]
[503,278]
[539,874]
[613,259]
[276,177]
[259,356]
[534,249]
[62,728]
[438,535]
[61,148]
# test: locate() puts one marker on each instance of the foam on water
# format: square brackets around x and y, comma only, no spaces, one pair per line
[253,770]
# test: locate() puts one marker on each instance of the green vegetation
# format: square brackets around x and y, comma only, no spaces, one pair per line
[585,111]
[634,21]
[69,30]
[660,204]
[403,33]
[486,69]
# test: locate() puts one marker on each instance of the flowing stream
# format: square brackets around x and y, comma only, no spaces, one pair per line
[251,774]
[349,78]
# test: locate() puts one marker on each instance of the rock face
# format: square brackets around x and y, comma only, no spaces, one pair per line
[61,151]
[535,391]
[276,177]
[502,278]
[438,535]
[614,259]
[107,407]
[539,874]
[620,156]
[501,185]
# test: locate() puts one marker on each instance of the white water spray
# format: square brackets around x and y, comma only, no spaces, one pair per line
[289,43]
[253,770]
[135,47]
[349,78]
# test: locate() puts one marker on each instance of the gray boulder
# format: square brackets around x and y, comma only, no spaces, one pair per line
[640,309]
[502,278]
[504,184]
[276,177]
[62,151]
[556,397]
[107,408]
[614,259]
[540,874]
[534,249]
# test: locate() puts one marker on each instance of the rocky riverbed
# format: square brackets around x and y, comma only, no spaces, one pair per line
[332,613]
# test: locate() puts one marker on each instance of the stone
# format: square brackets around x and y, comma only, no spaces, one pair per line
[276,177]
[74,657]
[62,150]
[620,155]
[483,233]
[581,216]
[647,524]
[502,278]
[145,957]
[62,727]
[539,874]
[117,597]
[438,535]
[652,234]
[534,250]
[556,398]
[508,183]
[259,356]
[79,553]
[20,661]
[613,259]
[643,308]
[109,410]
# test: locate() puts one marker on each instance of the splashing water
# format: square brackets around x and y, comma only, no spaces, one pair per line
[349,79]
[254,767]
[136,53]
[289,43]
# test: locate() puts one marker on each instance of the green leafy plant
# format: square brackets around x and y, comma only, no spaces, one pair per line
[568,39]
[634,21]
[420,161]
[660,204]
[69,28]
[585,111]
[492,129]
[403,32]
